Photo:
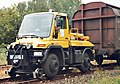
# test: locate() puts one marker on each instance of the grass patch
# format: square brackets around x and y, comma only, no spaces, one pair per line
[117,67]
[2,56]
[105,80]
[105,77]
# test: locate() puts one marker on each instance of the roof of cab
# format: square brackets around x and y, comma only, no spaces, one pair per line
[54,13]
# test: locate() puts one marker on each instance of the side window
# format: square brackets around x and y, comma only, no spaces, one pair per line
[61,22]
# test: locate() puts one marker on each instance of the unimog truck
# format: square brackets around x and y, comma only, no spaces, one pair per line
[46,43]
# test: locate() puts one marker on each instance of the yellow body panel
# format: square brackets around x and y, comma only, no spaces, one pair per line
[38,41]
[64,37]
[81,43]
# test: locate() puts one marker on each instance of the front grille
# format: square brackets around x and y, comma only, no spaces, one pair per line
[24,59]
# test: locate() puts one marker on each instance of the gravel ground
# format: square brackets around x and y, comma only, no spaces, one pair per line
[98,76]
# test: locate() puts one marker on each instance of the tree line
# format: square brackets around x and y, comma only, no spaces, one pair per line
[13,15]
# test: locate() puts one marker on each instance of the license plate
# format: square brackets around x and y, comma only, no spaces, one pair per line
[37,53]
[16,57]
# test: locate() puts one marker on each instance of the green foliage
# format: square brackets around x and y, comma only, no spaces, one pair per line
[9,17]
[117,67]
[38,6]
[105,80]
[66,6]
[2,56]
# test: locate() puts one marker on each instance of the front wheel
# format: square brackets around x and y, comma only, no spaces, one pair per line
[51,66]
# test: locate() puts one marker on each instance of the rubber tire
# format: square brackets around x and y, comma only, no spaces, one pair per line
[86,65]
[99,59]
[51,66]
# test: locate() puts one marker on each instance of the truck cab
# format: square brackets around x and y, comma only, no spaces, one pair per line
[45,44]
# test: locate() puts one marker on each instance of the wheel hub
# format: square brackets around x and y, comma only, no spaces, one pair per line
[86,62]
[53,66]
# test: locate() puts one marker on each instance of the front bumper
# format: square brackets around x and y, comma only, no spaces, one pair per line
[27,57]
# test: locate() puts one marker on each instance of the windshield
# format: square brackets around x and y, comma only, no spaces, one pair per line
[36,25]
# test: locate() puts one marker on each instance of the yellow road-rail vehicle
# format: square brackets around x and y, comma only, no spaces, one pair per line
[45,44]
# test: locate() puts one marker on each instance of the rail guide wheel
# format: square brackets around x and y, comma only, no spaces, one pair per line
[11,72]
[39,73]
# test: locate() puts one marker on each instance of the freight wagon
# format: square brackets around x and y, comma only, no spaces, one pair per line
[101,22]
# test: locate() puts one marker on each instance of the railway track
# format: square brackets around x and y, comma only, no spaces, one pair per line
[109,66]
[65,75]
[4,66]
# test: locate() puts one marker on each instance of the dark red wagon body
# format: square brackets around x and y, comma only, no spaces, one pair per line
[101,22]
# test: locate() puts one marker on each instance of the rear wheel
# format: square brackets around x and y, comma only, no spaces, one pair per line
[51,66]
[85,66]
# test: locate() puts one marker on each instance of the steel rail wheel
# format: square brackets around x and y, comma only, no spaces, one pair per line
[12,73]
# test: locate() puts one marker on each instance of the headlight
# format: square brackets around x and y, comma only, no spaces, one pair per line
[38,54]
[6,53]
[28,46]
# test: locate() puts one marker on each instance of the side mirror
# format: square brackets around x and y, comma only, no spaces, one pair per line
[16,29]
[68,16]
[69,21]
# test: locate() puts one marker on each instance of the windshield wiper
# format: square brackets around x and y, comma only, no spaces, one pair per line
[31,36]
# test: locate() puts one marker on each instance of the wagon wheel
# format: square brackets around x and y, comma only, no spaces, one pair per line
[118,60]
[99,59]
[85,66]
[51,66]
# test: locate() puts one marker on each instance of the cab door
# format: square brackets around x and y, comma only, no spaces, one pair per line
[61,31]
